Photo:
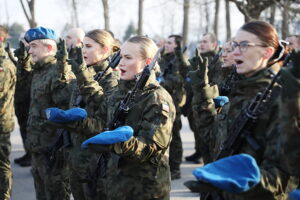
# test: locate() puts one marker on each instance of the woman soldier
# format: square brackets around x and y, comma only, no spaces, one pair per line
[258,55]
[137,168]
[98,46]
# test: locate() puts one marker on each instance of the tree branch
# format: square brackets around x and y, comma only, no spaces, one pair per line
[26,14]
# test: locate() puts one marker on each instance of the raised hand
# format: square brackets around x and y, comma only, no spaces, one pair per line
[62,53]
[21,53]
[194,61]
[77,62]
[200,66]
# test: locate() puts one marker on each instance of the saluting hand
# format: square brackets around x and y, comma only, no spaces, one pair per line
[200,66]
[178,49]
[21,53]
[62,53]
[77,62]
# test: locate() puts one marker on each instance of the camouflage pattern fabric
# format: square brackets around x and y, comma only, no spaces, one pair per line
[275,180]
[82,163]
[173,83]
[290,118]
[49,88]
[7,123]
[138,168]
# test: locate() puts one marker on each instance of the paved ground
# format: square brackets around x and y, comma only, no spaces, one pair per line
[23,188]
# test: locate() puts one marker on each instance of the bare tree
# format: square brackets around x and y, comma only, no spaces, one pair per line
[252,9]
[206,16]
[75,13]
[185,27]
[216,22]
[106,14]
[285,20]
[228,22]
[272,14]
[140,22]
[30,15]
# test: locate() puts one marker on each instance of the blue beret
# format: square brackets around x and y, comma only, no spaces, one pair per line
[40,33]
[235,174]
[294,195]
[120,134]
[64,116]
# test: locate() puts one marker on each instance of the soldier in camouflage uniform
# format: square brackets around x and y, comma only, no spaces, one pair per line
[22,97]
[208,48]
[257,53]
[7,113]
[98,45]
[49,88]
[173,82]
[290,113]
[137,168]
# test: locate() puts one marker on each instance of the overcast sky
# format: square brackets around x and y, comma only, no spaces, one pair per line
[161,17]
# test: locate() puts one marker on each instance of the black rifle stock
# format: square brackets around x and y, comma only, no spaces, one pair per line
[226,87]
[127,103]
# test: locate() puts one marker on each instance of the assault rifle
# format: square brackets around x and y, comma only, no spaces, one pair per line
[242,128]
[100,169]
[119,120]
[127,103]
[63,140]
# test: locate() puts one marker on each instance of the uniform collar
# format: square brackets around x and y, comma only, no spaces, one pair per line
[126,85]
[100,66]
[42,64]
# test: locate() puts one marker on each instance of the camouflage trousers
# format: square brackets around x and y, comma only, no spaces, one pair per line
[176,149]
[5,168]
[21,110]
[50,183]
[84,181]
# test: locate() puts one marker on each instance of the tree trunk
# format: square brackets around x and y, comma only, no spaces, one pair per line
[74,5]
[140,23]
[272,14]
[216,22]
[185,27]
[228,22]
[106,14]
[31,15]
[206,16]
[285,20]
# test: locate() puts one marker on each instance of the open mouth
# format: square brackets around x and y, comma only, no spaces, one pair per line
[238,62]
[122,71]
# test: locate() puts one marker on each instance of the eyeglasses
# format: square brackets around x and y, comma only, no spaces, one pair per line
[243,46]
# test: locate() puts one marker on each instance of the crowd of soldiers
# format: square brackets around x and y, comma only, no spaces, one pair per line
[217,90]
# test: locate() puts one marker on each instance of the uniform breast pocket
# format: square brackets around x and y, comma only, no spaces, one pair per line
[40,92]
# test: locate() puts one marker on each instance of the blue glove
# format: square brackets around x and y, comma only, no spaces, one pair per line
[294,195]
[220,101]
[120,134]
[235,174]
[63,116]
